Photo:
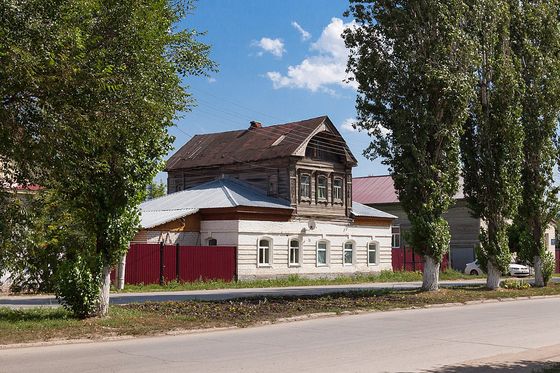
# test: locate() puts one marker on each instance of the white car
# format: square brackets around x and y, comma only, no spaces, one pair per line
[514,269]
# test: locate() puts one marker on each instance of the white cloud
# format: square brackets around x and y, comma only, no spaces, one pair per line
[211,80]
[304,34]
[272,46]
[347,125]
[322,70]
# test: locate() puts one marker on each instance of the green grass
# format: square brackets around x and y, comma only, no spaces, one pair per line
[32,325]
[294,280]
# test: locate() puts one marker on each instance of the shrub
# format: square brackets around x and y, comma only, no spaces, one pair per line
[547,265]
[511,283]
[77,285]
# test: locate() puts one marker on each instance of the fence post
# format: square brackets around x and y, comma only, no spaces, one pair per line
[161,265]
[177,266]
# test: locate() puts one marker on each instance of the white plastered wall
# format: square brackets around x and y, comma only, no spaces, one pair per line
[245,235]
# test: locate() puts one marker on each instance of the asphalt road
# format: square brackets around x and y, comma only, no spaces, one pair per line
[23,301]
[482,337]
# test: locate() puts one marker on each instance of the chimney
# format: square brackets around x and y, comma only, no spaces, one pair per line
[255,124]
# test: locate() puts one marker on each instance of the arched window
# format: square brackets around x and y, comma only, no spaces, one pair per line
[348,253]
[294,252]
[321,188]
[322,253]
[372,253]
[264,252]
[337,189]
[305,186]
[212,242]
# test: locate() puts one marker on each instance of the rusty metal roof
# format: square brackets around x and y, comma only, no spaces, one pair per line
[371,190]
[250,145]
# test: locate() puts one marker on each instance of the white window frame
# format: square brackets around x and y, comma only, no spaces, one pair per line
[319,188]
[301,186]
[352,251]
[395,234]
[209,239]
[327,249]
[376,253]
[339,189]
[259,247]
[297,263]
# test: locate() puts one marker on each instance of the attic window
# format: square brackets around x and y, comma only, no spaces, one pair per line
[279,140]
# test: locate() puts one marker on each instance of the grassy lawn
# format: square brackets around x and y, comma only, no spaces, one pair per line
[18,326]
[383,276]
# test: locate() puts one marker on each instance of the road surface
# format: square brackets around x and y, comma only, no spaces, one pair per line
[449,339]
[27,301]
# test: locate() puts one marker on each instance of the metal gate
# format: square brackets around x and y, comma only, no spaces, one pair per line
[404,259]
[158,263]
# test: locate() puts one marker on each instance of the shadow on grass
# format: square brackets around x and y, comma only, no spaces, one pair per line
[36,314]
[518,366]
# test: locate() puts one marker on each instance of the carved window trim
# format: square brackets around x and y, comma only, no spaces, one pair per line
[338,190]
[304,187]
[322,189]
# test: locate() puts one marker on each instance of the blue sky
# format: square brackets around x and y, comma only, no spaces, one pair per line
[279,61]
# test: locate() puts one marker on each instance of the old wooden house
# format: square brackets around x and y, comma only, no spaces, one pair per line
[281,194]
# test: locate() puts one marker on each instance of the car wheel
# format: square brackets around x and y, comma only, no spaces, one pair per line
[474,272]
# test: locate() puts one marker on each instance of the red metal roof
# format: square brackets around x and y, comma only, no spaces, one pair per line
[374,189]
[370,190]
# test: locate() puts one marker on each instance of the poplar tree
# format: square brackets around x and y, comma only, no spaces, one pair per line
[412,60]
[493,138]
[536,39]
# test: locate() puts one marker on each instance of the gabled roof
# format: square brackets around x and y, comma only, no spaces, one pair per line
[372,190]
[359,210]
[253,144]
[220,193]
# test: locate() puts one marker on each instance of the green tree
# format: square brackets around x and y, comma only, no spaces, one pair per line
[536,36]
[155,190]
[94,85]
[492,142]
[411,60]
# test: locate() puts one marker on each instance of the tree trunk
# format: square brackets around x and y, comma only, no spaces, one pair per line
[121,273]
[103,308]
[539,278]
[430,277]
[493,277]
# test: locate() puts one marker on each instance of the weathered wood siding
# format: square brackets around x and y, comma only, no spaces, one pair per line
[269,176]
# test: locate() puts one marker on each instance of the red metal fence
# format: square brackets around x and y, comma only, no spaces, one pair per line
[404,259]
[155,263]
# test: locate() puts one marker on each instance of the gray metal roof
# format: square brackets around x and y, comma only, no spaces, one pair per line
[218,193]
[365,211]
[151,219]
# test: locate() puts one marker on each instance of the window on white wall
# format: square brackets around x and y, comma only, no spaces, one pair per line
[396,237]
[348,254]
[322,253]
[212,242]
[294,252]
[372,253]
[264,252]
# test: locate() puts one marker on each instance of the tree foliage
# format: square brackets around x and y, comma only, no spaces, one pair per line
[536,36]
[91,88]
[493,138]
[412,61]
